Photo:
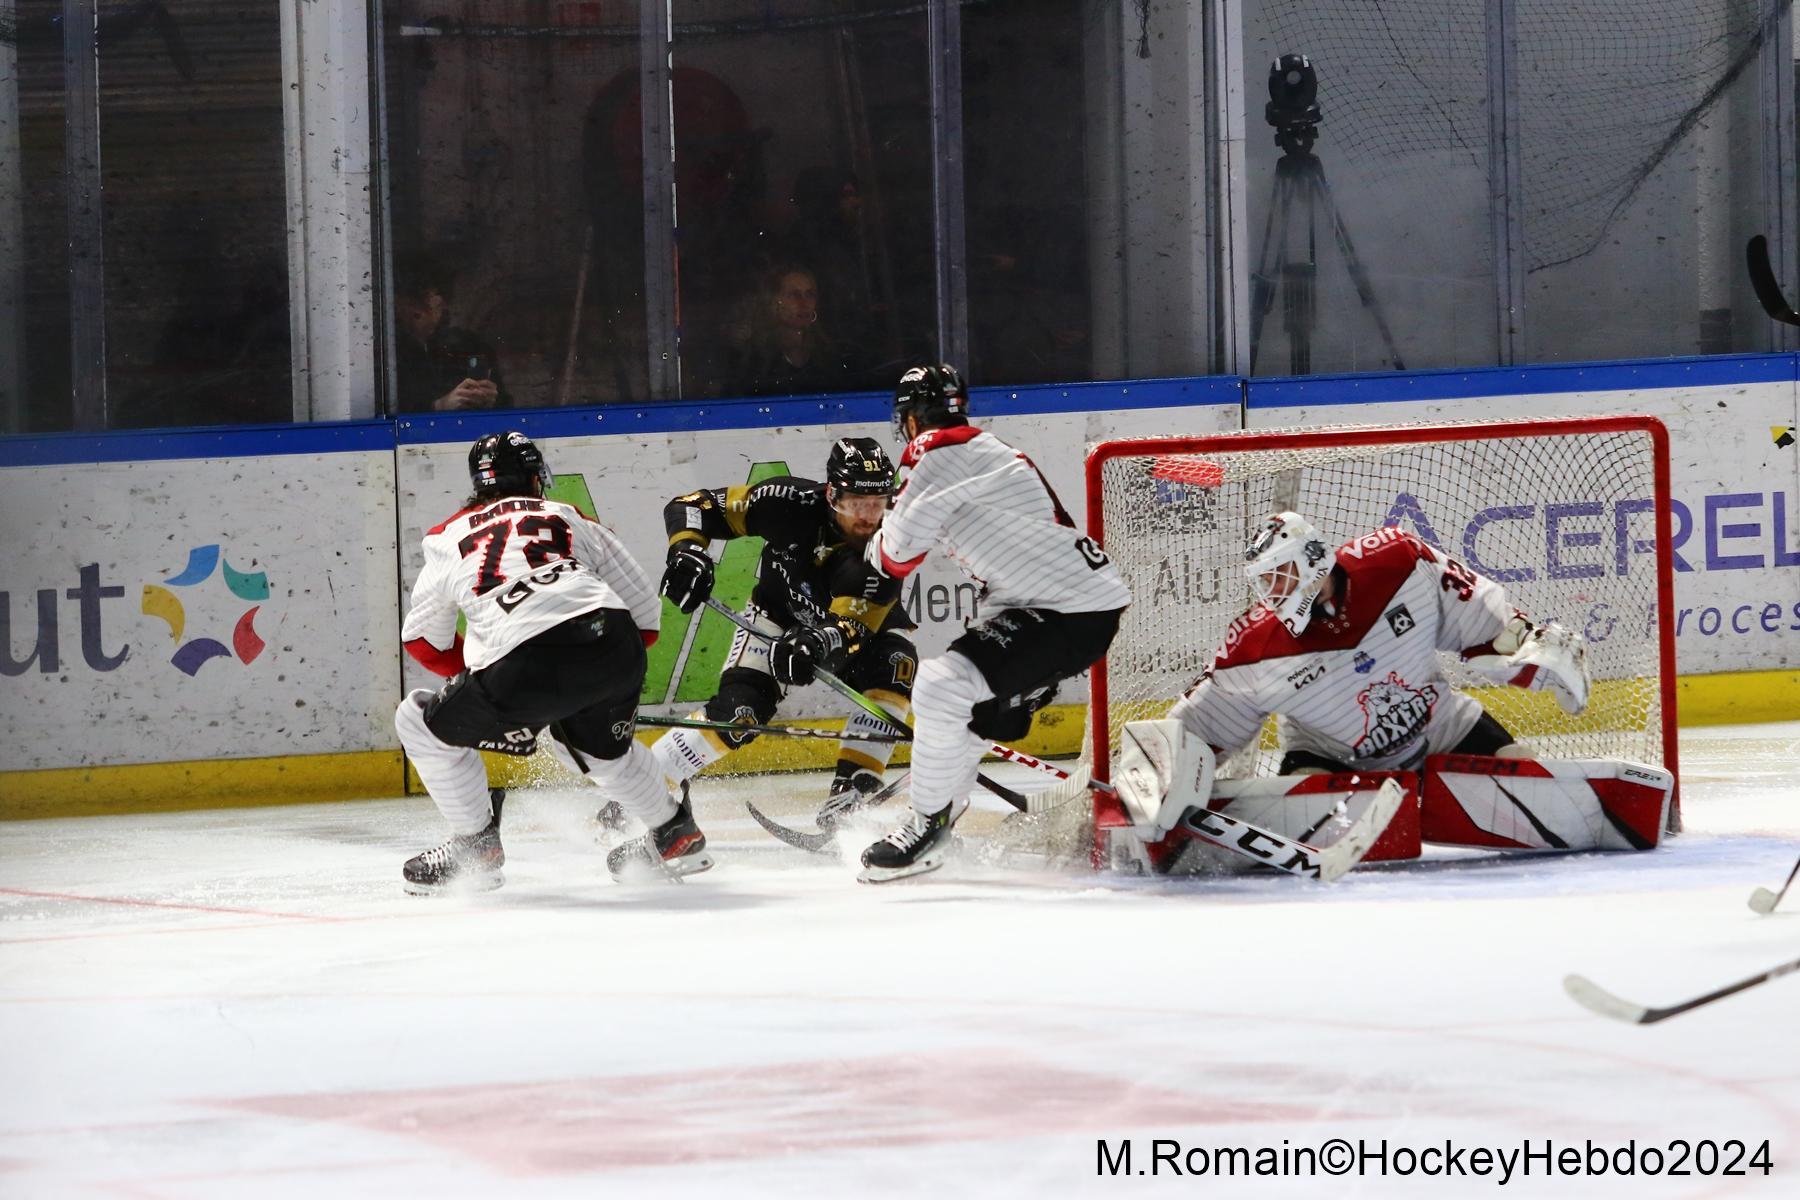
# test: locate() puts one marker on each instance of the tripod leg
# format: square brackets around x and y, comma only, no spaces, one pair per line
[1262,281]
[1365,290]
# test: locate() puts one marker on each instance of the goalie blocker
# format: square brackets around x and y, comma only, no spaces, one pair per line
[1165,778]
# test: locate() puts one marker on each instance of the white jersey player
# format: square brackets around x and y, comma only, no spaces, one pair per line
[1059,600]
[558,615]
[1343,647]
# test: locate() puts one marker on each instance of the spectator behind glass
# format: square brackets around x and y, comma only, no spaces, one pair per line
[782,349]
[438,366]
[827,237]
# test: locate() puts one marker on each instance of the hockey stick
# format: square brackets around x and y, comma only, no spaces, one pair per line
[1016,799]
[1763,901]
[1295,857]
[1768,288]
[1597,999]
[793,731]
[823,841]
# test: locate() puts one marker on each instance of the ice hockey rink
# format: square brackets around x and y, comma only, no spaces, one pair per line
[244,1003]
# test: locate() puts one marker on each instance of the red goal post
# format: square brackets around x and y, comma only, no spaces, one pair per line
[1570,515]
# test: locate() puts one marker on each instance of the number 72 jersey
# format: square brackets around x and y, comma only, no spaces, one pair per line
[515,567]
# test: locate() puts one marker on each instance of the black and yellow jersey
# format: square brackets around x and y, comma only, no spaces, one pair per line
[809,571]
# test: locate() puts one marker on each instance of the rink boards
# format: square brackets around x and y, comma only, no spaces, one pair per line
[192,614]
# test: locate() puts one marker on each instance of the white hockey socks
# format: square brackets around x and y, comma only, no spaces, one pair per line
[635,780]
[946,753]
[682,754]
[453,775]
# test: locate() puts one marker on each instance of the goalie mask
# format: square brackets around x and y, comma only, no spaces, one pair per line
[1287,561]
[505,464]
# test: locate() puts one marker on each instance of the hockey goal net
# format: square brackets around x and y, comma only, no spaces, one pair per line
[1570,516]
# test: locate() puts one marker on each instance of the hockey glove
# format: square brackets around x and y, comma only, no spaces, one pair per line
[797,655]
[1560,656]
[688,579]
[1537,657]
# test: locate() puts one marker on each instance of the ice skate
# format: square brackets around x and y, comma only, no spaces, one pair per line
[673,849]
[919,845]
[849,794]
[466,862]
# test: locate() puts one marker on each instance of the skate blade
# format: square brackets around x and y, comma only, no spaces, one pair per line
[638,871]
[924,866]
[467,884]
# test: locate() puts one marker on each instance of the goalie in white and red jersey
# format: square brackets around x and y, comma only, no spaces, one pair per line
[558,615]
[1343,648]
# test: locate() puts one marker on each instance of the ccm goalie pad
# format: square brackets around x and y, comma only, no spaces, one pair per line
[1181,821]
[1554,804]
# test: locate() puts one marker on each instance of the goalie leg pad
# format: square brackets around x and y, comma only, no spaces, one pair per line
[1550,804]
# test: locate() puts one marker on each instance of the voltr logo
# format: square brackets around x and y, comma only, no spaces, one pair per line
[162,603]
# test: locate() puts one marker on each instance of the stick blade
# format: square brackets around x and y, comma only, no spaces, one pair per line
[1337,859]
[1763,901]
[1595,998]
[1762,279]
[814,843]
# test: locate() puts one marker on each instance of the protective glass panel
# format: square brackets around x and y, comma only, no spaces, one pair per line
[191,292]
[1026,127]
[515,185]
[1370,222]
[1642,152]
[803,195]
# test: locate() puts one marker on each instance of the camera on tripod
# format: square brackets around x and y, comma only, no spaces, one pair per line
[1293,107]
[1287,267]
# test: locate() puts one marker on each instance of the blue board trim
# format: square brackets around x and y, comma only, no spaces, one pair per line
[223,441]
[794,412]
[58,449]
[1641,375]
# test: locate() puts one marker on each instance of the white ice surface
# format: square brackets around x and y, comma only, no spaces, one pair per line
[244,1003]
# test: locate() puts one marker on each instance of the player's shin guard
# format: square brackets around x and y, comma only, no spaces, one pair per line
[452,774]
[855,754]
[635,781]
[946,754]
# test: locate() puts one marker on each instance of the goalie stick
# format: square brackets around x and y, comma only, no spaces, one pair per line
[1296,857]
[1597,999]
[1768,288]
[1763,901]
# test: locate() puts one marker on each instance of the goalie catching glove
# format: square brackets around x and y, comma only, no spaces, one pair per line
[796,656]
[688,579]
[1539,657]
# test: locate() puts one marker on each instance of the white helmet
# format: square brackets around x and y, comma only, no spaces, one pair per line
[1287,562]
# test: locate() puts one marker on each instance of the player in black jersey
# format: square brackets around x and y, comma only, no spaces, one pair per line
[815,593]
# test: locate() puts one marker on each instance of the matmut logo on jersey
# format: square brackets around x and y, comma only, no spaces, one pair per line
[1394,713]
[161,602]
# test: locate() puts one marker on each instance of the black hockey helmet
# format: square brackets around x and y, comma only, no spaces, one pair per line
[936,395]
[859,466]
[504,464]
